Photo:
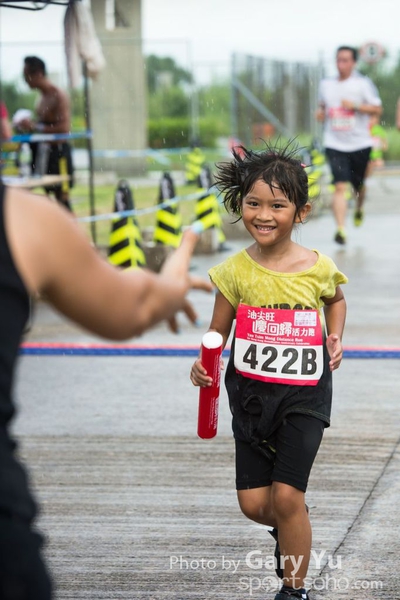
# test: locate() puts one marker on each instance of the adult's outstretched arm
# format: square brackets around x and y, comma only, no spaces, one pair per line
[55,259]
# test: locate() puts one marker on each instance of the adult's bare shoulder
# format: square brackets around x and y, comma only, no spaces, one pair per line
[60,94]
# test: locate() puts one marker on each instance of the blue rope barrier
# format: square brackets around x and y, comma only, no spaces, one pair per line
[78,135]
[182,351]
[109,351]
[136,153]
[378,353]
[140,211]
[51,137]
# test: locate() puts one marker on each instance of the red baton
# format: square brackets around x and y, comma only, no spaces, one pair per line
[211,350]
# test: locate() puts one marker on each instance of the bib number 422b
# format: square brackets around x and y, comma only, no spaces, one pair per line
[299,361]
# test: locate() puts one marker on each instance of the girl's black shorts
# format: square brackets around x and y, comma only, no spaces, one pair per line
[295,447]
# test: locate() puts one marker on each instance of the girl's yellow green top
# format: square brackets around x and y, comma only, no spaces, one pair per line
[242,280]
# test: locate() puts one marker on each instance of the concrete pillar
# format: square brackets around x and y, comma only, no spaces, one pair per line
[118,98]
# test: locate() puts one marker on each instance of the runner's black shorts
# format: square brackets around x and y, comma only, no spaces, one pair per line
[348,166]
[295,448]
[53,159]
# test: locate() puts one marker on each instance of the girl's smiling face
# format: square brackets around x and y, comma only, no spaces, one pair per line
[268,215]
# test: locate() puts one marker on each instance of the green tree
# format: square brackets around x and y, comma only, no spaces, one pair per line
[167,86]
[215,102]
[15,99]
[162,71]
[383,75]
[168,102]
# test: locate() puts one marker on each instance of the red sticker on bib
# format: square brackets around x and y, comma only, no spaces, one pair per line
[279,345]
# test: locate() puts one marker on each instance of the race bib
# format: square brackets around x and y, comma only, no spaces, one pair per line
[279,345]
[342,119]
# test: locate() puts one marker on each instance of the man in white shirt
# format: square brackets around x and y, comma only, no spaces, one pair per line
[346,103]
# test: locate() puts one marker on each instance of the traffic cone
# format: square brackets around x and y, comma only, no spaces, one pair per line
[207,206]
[168,229]
[125,245]
[194,163]
[315,173]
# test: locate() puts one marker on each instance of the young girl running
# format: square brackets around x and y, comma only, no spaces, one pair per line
[290,314]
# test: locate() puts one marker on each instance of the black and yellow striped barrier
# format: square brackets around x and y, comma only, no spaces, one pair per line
[125,244]
[168,228]
[194,163]
[207,206]
[315,173]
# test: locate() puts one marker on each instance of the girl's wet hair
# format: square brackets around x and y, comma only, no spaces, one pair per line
[279,167]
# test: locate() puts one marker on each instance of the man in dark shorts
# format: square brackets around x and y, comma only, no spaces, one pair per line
[346,103]
[50,158]
[52,116]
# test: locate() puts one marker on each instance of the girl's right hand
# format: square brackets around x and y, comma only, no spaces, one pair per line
[198,375]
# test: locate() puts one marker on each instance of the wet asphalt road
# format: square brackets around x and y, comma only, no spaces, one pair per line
[135,506]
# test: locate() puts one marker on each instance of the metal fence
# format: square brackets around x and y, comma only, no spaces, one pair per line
[272,96]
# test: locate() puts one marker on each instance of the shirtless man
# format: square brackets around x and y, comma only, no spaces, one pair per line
[52,116]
